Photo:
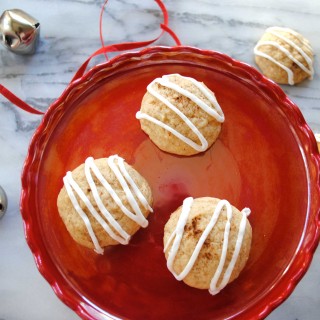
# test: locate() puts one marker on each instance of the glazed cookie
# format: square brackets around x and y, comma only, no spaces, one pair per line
[207,243]
[284,56]
[180,115]
[104,202]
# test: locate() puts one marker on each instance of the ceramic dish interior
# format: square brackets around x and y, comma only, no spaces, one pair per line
[265,158]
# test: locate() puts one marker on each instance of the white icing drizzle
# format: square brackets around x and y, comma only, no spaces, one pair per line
[276,31]
[215,112]
[177,235]
[104,215]
[317,135]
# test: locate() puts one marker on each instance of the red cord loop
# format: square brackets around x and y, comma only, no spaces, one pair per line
[103,50]
[127,45]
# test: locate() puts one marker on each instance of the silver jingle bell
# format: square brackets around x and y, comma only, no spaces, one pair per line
[3,202]
[19,32]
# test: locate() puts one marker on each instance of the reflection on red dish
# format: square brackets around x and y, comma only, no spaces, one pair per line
[266,158]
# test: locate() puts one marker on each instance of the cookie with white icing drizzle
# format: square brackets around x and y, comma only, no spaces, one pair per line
[180,115]
[284,56]
[207,243]
[104,202]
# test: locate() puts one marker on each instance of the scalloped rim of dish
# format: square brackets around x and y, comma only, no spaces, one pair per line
[308,244]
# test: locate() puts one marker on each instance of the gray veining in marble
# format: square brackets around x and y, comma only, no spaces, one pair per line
[69,34]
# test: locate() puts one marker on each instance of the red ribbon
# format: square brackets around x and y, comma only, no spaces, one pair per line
[127,45]
[164,26]
[104,49]
[17,101]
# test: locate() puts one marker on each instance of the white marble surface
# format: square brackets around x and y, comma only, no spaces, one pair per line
[69,34]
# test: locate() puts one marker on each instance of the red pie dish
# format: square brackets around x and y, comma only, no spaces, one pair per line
[265,158]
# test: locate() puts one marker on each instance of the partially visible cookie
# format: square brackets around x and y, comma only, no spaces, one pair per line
[207,243]
[104,202]
[284,56]
[180,115]
[317,135]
